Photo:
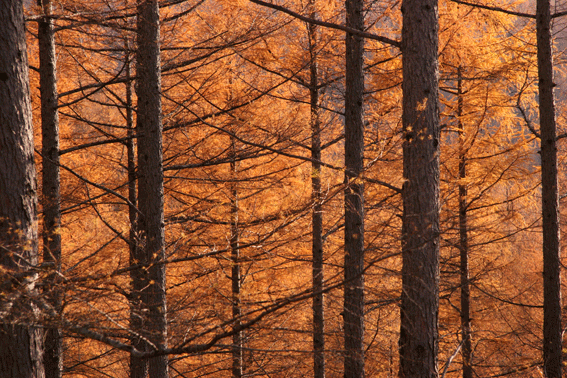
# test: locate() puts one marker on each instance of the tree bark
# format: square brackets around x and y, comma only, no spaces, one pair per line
[549,196]
[317,214]
[466,350]
[21,346]
[353,312]
[420,220]
[51,183]
[150,182]
[138,366]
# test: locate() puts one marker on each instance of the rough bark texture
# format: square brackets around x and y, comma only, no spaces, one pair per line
[150,181]
[420,223]
[20,346]
[51,184]
[353,312]
[466,350]
[317,215]
[549,195]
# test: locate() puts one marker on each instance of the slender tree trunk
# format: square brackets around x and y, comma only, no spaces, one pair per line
[21,346]
[150,181]
[237,357]
[317,215]
[420,222]
[138,366]
[466,350]
[353,312]
[549,195]
[51,184]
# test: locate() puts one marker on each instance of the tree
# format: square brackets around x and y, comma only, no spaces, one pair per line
[353,312]
[51,185]
[464,239]
[420,229]
[138,366]
[552,331]
[317,212]
[20,344]
[150,186]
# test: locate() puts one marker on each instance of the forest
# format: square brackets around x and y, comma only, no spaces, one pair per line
[270,188]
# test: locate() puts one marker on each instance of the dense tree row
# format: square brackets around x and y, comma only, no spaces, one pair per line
[300,188]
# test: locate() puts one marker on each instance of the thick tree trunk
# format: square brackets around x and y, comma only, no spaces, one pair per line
[353,312]
[150,182]
[549,195]
[51,186]
[420,223]
[466,350]
[21,347]
[317,215]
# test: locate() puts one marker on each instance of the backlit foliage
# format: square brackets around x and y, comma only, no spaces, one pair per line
[235,86]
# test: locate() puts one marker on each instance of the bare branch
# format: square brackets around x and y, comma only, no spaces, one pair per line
[495,9]
[310,20]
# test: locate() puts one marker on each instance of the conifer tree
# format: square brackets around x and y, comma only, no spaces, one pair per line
[552,332]
[150,185]
[51,185]
[20,344]
[353,312]
[317,212]
[420,229]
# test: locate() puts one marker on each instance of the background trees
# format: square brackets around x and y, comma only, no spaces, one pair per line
[253,104]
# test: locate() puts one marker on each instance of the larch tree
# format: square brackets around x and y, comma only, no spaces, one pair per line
[419,310]
[235,256]
[552,331]
[51,183]
[317,212]
[236,275]
[138,366]
[21,345]
[463,238]
[150,185]
[353,312]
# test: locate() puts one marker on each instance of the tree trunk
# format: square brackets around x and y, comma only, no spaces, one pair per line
[420,221]
[20,346]
[317,215]
[150,182]
[549,196]
[237,358]
[353,311]
[466,350]
[51,184]
[138,366]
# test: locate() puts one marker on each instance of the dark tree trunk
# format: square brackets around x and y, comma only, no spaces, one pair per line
[21,346]
[353,311]
[150,182]
[237,357]
[317,215]
[138,366]
[420,221]
[466,350]
[51,197]
[549,196]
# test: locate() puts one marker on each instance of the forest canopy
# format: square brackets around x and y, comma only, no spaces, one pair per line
[295,188]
